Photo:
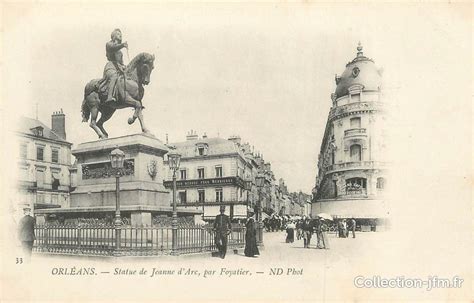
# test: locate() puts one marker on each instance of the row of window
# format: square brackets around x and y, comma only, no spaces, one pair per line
[201,173]
[354,123]
[359,185]
[39,153]
[40,176]
[201,196]
[355,153]
[219,195]
[362,183]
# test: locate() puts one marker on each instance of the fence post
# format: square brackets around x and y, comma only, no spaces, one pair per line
[260,234]
[79,250]
[46,240]
[118,235]
[202,238]
[243,230]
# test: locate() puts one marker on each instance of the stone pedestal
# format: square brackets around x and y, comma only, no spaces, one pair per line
[142,194]
[141,183]
[140,218]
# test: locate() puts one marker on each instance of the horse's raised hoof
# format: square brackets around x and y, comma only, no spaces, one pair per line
[130,121]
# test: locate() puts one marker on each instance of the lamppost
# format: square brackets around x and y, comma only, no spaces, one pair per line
[117,158]
[173,161]
[248,188]
[260,180]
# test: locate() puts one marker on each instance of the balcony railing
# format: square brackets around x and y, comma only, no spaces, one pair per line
[355,132]
[356,165]
[356,191]
[355,107]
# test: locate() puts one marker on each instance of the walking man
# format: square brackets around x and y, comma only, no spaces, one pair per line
[26,233]
[307,227]
[352,226]
[222,228]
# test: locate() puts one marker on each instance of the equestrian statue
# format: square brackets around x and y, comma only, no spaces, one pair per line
[120,87]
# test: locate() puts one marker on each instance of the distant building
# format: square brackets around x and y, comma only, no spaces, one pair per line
[44,161]
[352,168]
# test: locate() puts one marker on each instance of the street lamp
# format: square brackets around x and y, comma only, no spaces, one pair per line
[173,161]
[248,188]
[260,180]
[117,158]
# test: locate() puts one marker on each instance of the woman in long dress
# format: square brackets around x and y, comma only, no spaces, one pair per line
[251,248]
[290,232]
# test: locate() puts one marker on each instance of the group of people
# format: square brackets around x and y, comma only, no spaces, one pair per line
[274,223]
[305,228]
[223,227]
[344,226]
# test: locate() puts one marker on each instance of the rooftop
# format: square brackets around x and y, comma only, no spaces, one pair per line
[26,126]
[360,71]
[215,146]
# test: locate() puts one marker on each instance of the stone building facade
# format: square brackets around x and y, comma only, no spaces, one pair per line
[44,163]
[352,166]
[213,172]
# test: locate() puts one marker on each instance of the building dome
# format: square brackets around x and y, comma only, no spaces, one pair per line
[360,71]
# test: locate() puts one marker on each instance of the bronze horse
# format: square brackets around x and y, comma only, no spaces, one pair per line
[129,93]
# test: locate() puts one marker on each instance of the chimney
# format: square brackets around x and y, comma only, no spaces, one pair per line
[191,135]
[58,124]
[235,139]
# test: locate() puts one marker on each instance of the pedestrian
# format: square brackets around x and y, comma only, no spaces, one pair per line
[26,233]
[344,228]
[322,230]
[251,248]
[222,229]
[352,226]
[340,229]
[317,229]
[299,229]
[307,232]
[290,232]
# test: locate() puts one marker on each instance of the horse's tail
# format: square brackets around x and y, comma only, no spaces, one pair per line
[90,88]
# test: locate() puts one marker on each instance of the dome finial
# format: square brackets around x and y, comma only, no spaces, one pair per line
[359,50]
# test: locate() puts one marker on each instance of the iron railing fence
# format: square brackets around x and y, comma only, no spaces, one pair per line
[100,239]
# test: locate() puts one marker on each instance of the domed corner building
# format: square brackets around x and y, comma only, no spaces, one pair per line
[352,168]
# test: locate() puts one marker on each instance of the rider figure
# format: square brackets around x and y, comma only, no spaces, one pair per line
[115,64]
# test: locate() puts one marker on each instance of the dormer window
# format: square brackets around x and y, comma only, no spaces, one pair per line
[37,131]
[201,149]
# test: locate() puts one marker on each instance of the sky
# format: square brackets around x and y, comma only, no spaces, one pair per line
[263,72]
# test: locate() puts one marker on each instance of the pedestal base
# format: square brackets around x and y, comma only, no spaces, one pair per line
[140,219]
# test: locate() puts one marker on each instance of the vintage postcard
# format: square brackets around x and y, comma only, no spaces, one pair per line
[231,151]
